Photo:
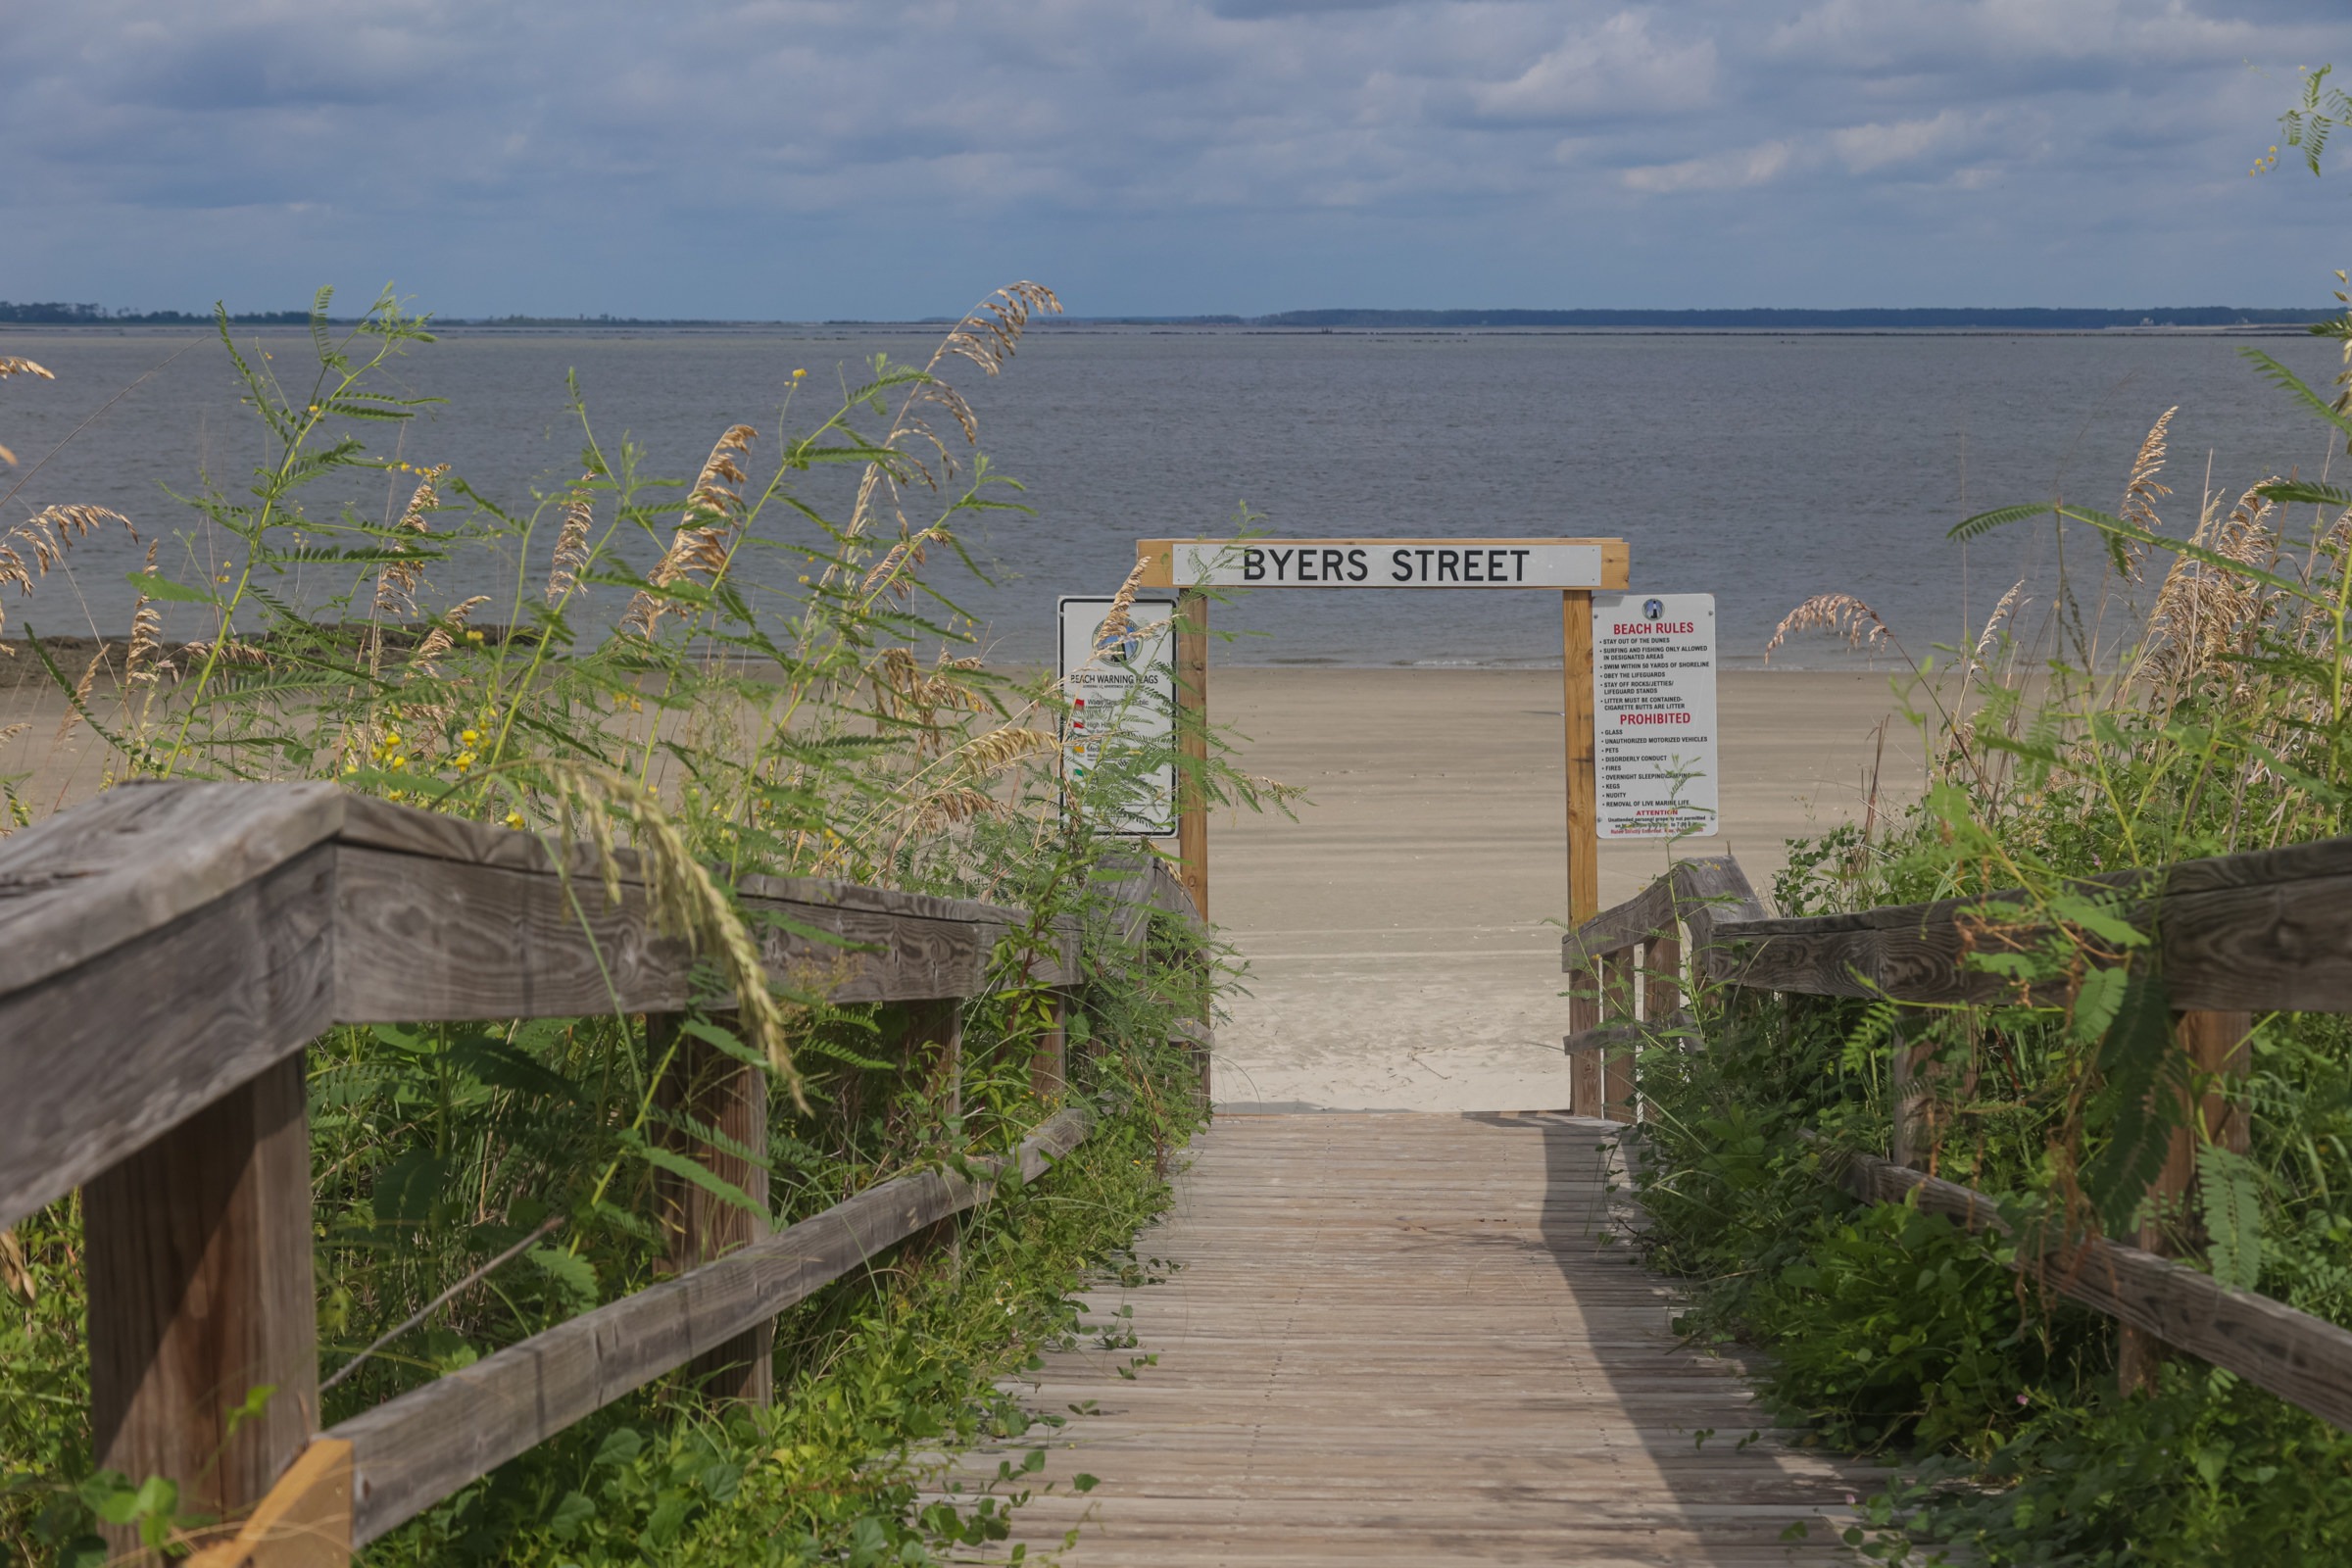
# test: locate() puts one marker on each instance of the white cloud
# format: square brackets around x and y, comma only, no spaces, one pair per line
[1864,148]
[1729,170]
[710,155]
[1616,68]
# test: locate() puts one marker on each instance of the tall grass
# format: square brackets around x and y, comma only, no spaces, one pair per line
[2097,741]
[779,691]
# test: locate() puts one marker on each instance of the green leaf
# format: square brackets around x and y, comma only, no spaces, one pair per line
[1984,522]
[571,1273]
[2143,1073]
[570,1515]
[620,1445]
[2097,1000]
[2291,492]
[2287,382]
[678,1164]
[1081,1482]
[155,585]
[2229,1198]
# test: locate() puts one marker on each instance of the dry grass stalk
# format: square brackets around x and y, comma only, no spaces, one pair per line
[2206,614]
[1841,614]
[904,693]
[396,582]
[81,693]
[11,364]
[48,534]
[706,532]
[1120,619]
[2142,490]
[15,1272]
[442,637]
[571,542]
[986,336]
[144,662]
[2011,602]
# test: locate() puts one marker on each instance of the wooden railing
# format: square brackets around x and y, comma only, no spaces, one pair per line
[2268,931]
[169,949]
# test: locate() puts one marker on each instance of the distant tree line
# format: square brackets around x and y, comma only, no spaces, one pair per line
[2029,320]
[1947,318]
[51,313]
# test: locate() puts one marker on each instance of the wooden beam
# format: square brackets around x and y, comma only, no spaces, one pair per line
[1617,1065]
[1049,1066]
[125,865]
[200,1295]
[1192,740]
[705,1086]
[304,1522]
[116,1050]
[411,1452]
[1584,789]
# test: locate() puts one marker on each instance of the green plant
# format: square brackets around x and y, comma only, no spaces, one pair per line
[719,674]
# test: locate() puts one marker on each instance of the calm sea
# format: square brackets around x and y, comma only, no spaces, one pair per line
[1761,467]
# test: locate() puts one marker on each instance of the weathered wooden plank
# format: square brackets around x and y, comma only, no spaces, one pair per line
[109,1056]
[1699,893]
[1560,1422]
[2305,1360]
[414,1451]
[138,857]
[704,1086]
[304,1522]
[425,938]
[1631,1036]
[199,1271]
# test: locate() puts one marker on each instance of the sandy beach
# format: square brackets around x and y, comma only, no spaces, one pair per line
[1403,936]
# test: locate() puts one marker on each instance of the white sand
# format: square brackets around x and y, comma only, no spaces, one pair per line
[1403,936]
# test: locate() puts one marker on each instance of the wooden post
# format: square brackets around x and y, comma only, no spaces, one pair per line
[1192,741]
[708,1086]
[198,1267]
[1617,1062]
[1050,1068]
[2216,1047]
[1584,1066]
[1908,1073]
[1584,791]
[1661,977]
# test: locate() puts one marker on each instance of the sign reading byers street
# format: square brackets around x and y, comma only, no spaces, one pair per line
[1653,714]
[1385,564]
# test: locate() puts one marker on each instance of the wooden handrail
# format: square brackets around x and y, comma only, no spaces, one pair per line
[289,908]
[169,949]
[2270,930]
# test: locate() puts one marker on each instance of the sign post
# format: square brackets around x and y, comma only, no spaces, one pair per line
[1192,742]
[1575,568]
[1583,815]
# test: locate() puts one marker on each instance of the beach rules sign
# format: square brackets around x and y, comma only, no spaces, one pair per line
[1120,681]
[1654,715]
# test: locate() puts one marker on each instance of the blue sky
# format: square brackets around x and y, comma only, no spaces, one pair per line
[811,159]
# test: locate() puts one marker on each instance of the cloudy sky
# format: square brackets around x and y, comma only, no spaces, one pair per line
[809,159]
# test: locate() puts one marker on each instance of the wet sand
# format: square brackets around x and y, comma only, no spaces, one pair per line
[1403,936]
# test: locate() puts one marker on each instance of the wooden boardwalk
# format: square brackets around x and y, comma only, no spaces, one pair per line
[1396,1339]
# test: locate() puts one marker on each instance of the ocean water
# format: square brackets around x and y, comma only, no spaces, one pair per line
[1760,467]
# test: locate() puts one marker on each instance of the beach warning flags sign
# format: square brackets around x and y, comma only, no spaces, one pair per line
[1120,681]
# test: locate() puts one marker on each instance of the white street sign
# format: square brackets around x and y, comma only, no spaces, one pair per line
[1122,695]
[1653,714]
[1386,564]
